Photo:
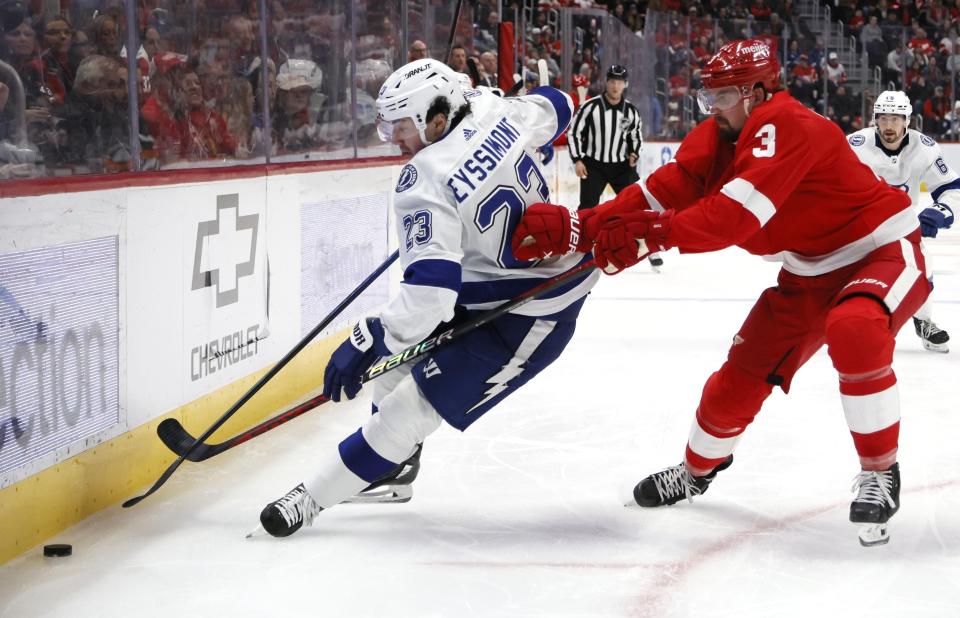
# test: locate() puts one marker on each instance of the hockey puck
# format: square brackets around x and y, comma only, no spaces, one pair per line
[57,550]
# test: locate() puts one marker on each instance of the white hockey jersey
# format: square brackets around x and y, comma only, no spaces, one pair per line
[457,203]
[919,159]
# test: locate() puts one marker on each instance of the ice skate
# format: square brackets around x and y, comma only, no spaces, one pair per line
[285,516]
[933,337]
[393,487]
[674,484]
[878,498]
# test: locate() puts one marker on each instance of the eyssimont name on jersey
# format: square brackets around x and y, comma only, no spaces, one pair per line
[484,160]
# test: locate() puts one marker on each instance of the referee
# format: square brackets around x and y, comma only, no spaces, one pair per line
[604,142]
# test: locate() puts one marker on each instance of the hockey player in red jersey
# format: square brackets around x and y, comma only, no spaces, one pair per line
[768,175]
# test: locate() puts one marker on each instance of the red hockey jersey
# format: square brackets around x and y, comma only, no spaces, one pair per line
[791,189]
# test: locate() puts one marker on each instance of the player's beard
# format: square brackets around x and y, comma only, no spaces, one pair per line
[727,132]
[891,137]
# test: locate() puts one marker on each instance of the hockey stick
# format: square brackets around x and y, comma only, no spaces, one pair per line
[543,72]
[180,442]
[267,377]
[474,71]
[453,31]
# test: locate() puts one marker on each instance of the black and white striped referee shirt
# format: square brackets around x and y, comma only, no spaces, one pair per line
[603,132]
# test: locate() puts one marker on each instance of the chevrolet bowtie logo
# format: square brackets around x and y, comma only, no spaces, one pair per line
[230,243]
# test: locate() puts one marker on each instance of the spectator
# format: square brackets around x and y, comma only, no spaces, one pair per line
[803,81]
[418,50]
[952,120]
[98,130]
[483,40]
[203,131]
[920,45]
[105,36]
[152,43]
[897,61]
[817,54]
[458,59]
[240,40]
[158,110]
[804,71]
[846,108]
[17,158]
[295,127]
[57,69]
[488,65]
[236,107]
[212,76]
[793,54]
[935,110]
[871,32]
[835,72]
[919,91]
[856,23]
[760,10]
[20,44]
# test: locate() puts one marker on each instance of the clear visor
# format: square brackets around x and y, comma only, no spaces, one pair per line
[718,99]
[396,131]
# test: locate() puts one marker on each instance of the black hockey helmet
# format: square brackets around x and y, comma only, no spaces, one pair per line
[617,71]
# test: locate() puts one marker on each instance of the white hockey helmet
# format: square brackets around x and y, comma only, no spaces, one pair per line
[465,81]
[892,102]
[411,90]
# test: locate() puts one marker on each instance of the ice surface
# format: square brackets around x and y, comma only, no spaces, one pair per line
[522,514]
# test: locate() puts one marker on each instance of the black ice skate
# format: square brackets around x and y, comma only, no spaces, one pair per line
[673,484]
[655,261]
[878,498]
[933,337]
[395,486]
[285,516]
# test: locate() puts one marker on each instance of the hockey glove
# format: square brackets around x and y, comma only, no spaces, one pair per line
[546,153]
[626,240]
[935,218]
[545,230]
[353,357]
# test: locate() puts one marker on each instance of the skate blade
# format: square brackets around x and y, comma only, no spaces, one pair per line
[384,495]
[258,531]
[942,348]
[872,535]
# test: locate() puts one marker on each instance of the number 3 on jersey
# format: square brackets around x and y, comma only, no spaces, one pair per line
[768,141]
[506,205]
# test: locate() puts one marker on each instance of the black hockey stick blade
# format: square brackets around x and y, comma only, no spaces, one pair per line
[178,439]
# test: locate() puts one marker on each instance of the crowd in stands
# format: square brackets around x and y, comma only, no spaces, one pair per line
[65,90]
[911,45]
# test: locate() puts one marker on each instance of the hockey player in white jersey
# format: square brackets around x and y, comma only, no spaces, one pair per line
[457,201]
[904,158]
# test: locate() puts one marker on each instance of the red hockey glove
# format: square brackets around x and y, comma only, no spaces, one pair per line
[626,240]
[545,230]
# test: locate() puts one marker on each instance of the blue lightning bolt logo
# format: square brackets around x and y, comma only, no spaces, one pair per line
[500,381]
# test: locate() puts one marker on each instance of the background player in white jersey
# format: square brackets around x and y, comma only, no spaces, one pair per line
[457,202]
[904,158]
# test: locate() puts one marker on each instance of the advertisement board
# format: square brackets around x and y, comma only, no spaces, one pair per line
[342,241]
[58,347]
